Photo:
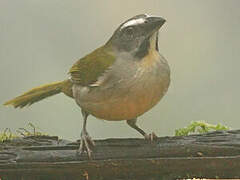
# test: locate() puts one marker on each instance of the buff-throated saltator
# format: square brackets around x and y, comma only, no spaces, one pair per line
[119,81]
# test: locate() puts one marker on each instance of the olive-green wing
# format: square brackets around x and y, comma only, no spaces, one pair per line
[87,70]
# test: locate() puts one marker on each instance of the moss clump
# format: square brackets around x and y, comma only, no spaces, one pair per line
[199,127]
[7,134]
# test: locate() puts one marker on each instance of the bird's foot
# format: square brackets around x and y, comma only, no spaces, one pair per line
[151,137]
[85,143]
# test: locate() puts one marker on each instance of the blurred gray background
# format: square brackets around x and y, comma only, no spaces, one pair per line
[40,40]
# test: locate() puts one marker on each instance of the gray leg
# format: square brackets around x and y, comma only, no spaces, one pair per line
[132,123]
[86,140]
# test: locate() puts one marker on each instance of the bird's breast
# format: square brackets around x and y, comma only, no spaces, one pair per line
[127,90]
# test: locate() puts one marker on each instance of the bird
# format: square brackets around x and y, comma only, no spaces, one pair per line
[121,80]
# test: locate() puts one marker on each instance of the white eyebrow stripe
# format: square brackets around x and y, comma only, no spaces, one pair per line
[133,22]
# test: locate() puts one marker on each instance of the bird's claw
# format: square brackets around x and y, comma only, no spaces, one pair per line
[151,137]
[85,143]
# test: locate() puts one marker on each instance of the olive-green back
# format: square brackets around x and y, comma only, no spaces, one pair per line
[87,70]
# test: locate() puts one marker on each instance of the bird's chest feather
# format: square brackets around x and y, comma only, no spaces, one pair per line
[127,90]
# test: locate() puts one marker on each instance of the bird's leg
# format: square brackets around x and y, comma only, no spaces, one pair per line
[86,140]
[132,123]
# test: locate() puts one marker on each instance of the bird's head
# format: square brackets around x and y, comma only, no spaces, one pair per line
[137,34]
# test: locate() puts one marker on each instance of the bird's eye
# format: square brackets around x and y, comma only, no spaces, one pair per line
[129,32]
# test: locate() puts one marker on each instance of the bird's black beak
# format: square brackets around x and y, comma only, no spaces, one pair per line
[153,24]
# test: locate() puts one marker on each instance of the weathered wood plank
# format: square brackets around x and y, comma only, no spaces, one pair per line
[210,155]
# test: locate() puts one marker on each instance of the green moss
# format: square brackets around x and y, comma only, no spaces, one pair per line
[199,127]
[7,134]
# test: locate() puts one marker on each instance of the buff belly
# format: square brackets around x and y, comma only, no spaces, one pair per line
[129,106]
[125,100]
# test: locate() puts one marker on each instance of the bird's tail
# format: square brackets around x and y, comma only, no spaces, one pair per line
[41,92]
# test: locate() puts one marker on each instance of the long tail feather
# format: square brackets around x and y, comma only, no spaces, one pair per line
[37,94]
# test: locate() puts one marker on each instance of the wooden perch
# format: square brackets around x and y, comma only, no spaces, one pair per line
[211,155]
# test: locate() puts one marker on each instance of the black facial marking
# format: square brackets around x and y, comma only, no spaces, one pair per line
[134,37]
[143,49]
[157,42]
